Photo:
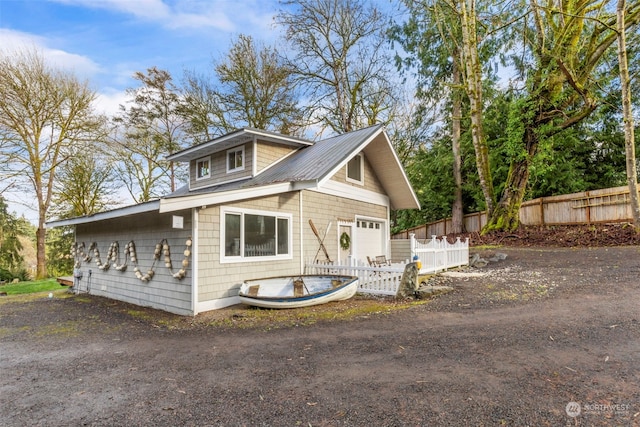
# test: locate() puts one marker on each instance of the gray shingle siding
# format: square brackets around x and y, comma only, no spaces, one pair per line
[163,291]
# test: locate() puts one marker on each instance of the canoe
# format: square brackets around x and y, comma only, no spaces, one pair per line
[297,291]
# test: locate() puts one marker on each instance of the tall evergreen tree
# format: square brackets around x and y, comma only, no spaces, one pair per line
[566,44]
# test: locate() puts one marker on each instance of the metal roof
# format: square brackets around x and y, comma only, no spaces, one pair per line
[151,206]
[233,139]
[310,166]
[318,162]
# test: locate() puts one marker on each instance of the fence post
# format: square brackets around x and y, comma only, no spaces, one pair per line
[412,246]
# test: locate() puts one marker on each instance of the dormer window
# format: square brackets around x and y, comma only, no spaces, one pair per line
[203,168]
[355,169]
[235,159]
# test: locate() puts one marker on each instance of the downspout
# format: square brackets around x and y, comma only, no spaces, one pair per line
[194,257]
[300,213]
[387,239]
[254,157]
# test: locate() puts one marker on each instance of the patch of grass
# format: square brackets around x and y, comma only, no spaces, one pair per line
[526,292]
[67,329]
[140,314]
[7,332]
[268,319]
[31,287]
[483,247]
[22,297]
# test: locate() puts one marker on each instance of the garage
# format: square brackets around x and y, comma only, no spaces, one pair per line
[370,238]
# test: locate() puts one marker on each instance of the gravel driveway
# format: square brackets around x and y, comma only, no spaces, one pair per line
[515,344]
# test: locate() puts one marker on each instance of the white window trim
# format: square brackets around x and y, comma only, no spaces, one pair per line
[241,259]
[208,175]
[355,181]
[244,159]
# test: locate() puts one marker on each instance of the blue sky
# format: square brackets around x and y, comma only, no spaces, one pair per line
[106,41]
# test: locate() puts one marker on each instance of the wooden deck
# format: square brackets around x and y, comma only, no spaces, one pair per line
[65,281]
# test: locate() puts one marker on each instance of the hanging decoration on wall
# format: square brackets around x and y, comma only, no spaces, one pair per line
[345,241]
[115,256]
[77,252]
[162,249]
[96,255]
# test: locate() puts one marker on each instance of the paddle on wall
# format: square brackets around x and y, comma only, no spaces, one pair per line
[321,240]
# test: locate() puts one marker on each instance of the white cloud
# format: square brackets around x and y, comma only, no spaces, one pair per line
[13,42]
[108,101]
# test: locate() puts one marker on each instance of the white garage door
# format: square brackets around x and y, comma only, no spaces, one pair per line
[370,235]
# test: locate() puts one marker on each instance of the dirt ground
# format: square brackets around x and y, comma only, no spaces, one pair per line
[515,343]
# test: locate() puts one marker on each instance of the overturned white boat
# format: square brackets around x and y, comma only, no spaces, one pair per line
[297,291]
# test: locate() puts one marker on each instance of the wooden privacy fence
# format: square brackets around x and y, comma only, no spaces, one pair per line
[588,207]
[435,255]
[472,222]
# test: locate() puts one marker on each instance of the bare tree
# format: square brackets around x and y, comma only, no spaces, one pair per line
[252,86]
[445,48]
[629,140]
[457,208]
[43,111]
[202,110]
[151,127]
[340,57]
[256,87]
[140,163]
[85,184]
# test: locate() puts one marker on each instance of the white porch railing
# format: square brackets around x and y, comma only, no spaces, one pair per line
[436,255]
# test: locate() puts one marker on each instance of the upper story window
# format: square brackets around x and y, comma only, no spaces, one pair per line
[203,168]
[355,170]
[235,159]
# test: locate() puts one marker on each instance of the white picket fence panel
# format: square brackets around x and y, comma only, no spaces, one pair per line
[371,280]
[439,255]
[435,255]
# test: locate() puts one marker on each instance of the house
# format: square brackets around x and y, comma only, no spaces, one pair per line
[244,214]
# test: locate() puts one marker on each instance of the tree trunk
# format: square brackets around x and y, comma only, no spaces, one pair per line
[457,214]
[41,260]
[173,176]
[473,75]
[632,174]
[506,216]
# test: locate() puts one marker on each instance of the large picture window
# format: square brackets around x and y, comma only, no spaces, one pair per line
[250,235]
[235,159]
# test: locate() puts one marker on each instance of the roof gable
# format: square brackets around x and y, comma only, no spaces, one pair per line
[313,165]
[310,167]
[241,136]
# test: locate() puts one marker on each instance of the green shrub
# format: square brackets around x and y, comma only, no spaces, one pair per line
[22,275]
[5,275]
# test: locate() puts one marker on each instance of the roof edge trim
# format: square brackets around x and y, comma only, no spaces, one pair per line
[151,206]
